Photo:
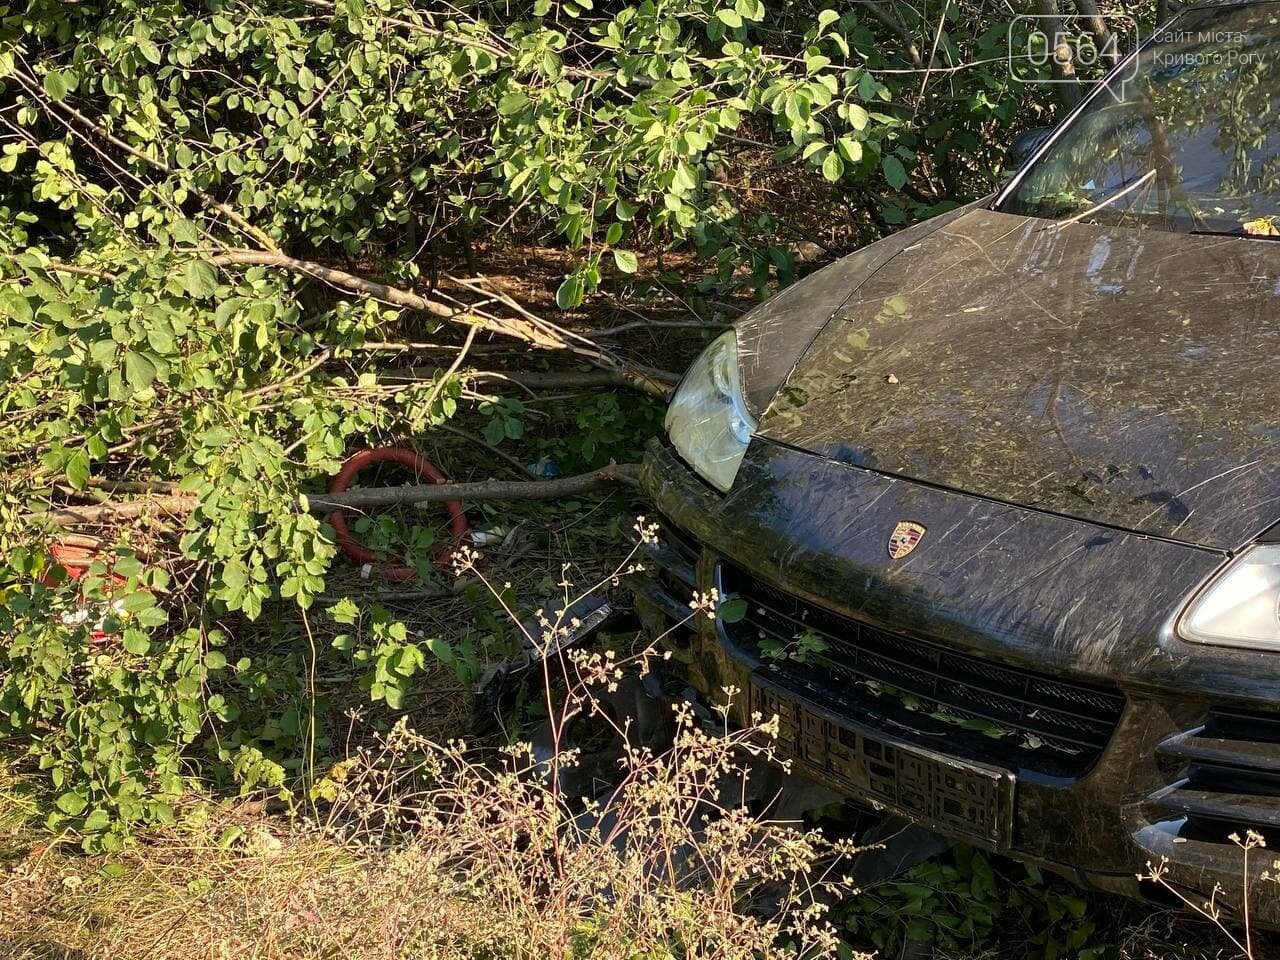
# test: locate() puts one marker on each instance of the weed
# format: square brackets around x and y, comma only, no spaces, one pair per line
[967,904]
[423,849]
[1212,908]
[801,648]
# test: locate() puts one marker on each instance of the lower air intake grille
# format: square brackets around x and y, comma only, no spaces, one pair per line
[985,710]
[681,553]
[1230,777]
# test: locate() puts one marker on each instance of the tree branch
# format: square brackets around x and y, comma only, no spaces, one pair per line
[626,473]
[111,511]
[1097,25]
[396,296]
[366,499]
[29,84]
[656,383]
[57,266]
[1061,58]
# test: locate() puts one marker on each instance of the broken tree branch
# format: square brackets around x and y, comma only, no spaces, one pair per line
[656,383]
[424,493]
[656,325]
[57,266]
[376,497]
[386,293]
[366,499]
[525,326]
[1097,25]
[1062,59]
[134,486]
[453,368]
[110,511]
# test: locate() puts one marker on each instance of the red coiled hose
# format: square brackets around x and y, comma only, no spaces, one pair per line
[393,568]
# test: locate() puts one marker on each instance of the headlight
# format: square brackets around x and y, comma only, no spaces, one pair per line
[1241,606]
[707,420]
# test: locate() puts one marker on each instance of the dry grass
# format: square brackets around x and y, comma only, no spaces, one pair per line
[420,849]
[429,854]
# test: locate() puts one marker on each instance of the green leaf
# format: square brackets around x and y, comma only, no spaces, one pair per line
[78,470]
[186,231]
[200,279]
[345,611]
[150,51]
[161,340]
[72,803]
[139,371]
[730,18]
[569,293]
[442,650]
[215,660]
[625,210]
[850,149]
[512,103]
[17,307]
[152,617]
[137,601]
[127,566]
[833,166]
[813,62]
[136,642]
[9,162]
[58,83]
[494,431]
[825,19]
[867,87]
[731,611]
[626,261]
[894,172]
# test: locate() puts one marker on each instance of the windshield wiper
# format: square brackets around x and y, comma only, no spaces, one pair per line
[1240,234]
[1122,192]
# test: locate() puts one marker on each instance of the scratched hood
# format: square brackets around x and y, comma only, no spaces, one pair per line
[1127,377]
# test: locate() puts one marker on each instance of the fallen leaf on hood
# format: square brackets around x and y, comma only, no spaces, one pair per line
[1262,227]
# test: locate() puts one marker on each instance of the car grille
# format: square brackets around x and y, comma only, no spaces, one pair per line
[985,710]
[679,555]
[1230,777]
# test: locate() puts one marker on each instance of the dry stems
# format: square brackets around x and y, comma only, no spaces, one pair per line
[422,850]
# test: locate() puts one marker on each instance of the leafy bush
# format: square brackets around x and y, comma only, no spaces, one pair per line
[106,718]
[145,146]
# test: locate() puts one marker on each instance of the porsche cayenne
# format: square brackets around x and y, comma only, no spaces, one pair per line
[995,501]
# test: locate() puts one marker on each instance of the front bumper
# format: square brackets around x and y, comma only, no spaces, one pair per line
[1157,750]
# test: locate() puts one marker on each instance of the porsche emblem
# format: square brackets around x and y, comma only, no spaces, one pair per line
[905,538]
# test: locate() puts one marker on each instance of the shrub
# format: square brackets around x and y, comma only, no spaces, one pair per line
[144,146]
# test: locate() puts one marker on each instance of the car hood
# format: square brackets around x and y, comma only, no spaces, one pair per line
[1116,375]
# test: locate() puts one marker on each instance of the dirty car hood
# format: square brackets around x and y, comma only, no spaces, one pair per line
[1116,375]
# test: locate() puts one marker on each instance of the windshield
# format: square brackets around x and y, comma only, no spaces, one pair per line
[1189,140]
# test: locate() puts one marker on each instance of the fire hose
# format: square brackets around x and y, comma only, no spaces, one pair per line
[393,568]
